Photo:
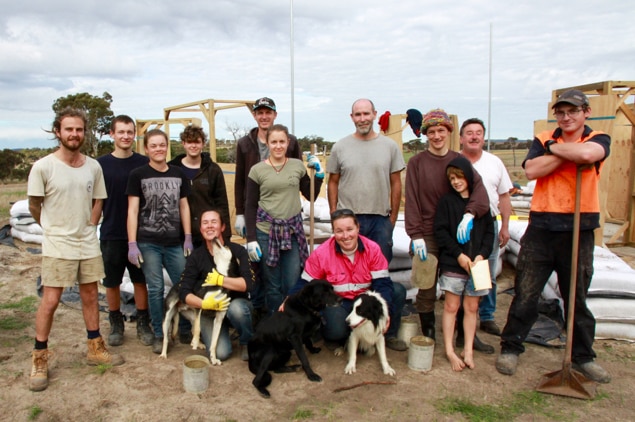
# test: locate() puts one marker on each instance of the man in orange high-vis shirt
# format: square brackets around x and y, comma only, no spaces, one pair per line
[546,246]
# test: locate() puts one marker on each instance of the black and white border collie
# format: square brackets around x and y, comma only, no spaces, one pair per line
[368,320]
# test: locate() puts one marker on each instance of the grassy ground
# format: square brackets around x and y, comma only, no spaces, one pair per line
[9,193]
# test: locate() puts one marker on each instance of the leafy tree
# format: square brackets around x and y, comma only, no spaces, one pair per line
[9,161]
[98,116]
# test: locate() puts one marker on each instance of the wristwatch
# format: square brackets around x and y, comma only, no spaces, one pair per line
[548,145]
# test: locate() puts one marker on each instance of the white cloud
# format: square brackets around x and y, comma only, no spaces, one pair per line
[410,54]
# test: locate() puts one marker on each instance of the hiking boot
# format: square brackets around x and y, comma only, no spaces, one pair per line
[244,353]
[39,379]
[593,371]
[144,332]
[115,338]
[490,327]
[157,345]
[506,363]
[98,354]
[395,344]
[479,346]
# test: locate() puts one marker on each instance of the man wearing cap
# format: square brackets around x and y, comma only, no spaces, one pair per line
[553,160]
[365,176]
[250,150]
[426,183]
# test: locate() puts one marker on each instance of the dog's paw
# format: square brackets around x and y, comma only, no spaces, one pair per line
[314,377]
[339,351]
[350,368]
[389,371]
[264,392]
[163,355]
[215,361]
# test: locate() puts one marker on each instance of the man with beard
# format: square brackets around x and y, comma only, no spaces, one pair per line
[65,191]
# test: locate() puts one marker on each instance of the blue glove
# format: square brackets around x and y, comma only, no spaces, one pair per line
[253,249]
[313,162]
[419,248]
[464,229]
[188,247]
[134,254]
[240,227]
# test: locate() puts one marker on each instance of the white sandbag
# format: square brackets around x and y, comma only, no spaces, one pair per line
[521,204]
[612,310]
[400,263]
[512,259]
[26,237]
[20,209]
[517,229]
[400,242]
[22,224]
[402,277]
[615,331]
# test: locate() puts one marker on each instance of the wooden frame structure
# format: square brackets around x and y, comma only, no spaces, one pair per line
[144,124]
[208,107]
[613,112]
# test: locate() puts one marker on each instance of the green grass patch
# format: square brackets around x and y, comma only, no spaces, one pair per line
[26,304]
[522,403]
[302,414]
[102,368]
[34,412]
[13,323]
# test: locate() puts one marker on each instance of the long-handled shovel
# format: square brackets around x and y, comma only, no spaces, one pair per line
[568,381]
[312,205]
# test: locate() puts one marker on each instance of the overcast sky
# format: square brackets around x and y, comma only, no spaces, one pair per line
[403,54]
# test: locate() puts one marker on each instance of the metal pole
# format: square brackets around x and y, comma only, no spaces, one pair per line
[292,71]
[489,94]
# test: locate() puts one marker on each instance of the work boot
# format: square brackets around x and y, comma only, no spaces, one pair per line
[39,379]
[395,344]
[479,346]
[244,352]
[115,338]
[506,363]
[157,345]
[593,371]
[98,354]
[490,327]
[427,324]
[144,332]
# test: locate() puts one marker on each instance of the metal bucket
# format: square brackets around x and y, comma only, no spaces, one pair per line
[195,374]
[408,329]
[420,353]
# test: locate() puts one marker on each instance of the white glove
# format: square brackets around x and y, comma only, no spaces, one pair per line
[253,249]
[464,229]
[419,248]
[313,162]
[241,229]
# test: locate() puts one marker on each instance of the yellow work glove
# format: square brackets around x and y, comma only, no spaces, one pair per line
[216,302]
[214,279]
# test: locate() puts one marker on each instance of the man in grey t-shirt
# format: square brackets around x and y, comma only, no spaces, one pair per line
[365,176]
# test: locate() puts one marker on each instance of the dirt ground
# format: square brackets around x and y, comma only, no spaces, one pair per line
[147,388]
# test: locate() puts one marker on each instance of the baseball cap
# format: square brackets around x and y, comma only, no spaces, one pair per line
[264,102]
[572,96]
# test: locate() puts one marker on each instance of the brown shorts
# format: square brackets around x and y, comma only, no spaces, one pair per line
[57,272]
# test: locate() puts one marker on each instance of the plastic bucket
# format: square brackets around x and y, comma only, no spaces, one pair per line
[195,374]
[420,353]
[408,329]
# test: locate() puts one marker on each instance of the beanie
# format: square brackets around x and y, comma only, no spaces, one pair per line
[436,117]
[414,119]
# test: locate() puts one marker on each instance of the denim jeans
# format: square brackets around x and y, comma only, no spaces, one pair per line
[155,257]
[541,252]
[379,229]
[487,306]
[278,280]
[239,316]
[336,329]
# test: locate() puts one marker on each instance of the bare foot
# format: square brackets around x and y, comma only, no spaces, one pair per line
[455,361]
[468,358]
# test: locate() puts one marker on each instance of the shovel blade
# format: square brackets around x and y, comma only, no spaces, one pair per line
[567,382]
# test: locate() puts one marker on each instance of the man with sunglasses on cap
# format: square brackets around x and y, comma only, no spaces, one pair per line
[250,150]
[553,161]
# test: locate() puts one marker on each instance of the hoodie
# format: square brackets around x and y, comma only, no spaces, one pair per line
[449,214]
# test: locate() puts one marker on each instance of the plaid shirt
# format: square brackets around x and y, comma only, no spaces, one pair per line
[280,236]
